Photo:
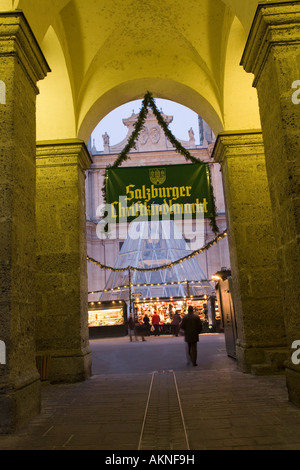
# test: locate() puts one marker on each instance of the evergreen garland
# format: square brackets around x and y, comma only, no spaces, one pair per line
[148,102]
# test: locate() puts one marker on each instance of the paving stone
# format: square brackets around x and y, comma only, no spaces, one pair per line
[223,409]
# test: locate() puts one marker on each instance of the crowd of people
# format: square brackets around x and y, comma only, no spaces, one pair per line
[153,325]
[190,324]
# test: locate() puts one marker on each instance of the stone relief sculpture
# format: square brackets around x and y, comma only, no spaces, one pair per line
[105,138]
[155,135]
[144,135]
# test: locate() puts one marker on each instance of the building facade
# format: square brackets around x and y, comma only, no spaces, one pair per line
[152,149]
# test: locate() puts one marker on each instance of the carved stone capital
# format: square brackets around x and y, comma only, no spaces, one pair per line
[63,152]
[274,24]
[239,143]
[18,40]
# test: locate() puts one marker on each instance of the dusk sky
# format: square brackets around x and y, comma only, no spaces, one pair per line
[183,120]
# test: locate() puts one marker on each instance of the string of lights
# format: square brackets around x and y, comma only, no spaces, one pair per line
[113,289]
[219,237]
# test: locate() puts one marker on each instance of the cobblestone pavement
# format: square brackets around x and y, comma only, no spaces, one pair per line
[143,395]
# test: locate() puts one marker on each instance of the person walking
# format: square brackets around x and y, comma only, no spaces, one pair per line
[155,323]
[131,327]
[176,323]
[146,321]
[139,328]
[192,327]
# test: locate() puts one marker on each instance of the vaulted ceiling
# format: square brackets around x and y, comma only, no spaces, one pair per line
[103,53]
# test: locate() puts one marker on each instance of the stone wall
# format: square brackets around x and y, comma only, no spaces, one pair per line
[62,330]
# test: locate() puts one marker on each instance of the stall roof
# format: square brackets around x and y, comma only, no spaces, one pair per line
[158,243]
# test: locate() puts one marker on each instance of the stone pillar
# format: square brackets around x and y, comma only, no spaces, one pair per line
[272,54]
[22,65]
[255,274]
[62,290]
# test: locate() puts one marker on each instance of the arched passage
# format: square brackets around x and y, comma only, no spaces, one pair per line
[100,47]
[174,57]
[239,95]
[160,88]
[98,85]
[55,103]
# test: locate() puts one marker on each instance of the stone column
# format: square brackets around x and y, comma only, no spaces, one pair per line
[62,291]
[255,274]
[272,54]
[22,65]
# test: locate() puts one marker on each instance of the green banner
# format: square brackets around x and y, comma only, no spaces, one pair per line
[159,191]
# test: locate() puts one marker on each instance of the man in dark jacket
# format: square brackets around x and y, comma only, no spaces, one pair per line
[192,326]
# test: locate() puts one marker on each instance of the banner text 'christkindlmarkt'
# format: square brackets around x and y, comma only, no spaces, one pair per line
[173,191]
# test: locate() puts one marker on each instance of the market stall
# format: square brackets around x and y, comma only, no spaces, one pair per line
[107,319]
[166,308]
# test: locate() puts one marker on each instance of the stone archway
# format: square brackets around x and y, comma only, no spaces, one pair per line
[96,66]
